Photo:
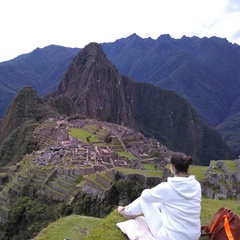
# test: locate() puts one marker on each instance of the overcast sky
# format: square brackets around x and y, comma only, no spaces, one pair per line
[28,24]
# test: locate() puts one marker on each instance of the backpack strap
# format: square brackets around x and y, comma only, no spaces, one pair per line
[227,228]
[219,217]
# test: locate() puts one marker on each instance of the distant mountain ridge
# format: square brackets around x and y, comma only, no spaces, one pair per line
[41,69]
[203,70]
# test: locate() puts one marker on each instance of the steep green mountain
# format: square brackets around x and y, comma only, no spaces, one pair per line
[42,69]
[23,115]
[93,87]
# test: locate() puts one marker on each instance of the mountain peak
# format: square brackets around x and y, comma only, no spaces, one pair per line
[26,105]
[94,86]
[165,37]
[93,49]
[90,53]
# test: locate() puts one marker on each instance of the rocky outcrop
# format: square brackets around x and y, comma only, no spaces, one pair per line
[222,182]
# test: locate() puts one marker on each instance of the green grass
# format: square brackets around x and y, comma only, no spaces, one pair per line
[231,165]
[77,227]
[107,229]
[142,172]
[72,227]
[82,134]
[126,154]
[198,172]
[150,167]
[3,175]
[92,178]
[210,207]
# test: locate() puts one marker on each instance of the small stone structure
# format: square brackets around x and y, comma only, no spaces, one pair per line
[220,182]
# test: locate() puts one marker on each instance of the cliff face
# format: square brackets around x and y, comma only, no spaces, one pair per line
[172,120]
[97,90]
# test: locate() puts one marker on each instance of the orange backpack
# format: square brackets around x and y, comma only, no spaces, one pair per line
[225,225]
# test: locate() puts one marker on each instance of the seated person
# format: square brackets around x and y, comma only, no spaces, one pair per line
[171,209]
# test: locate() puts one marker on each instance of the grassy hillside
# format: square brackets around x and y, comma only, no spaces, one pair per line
[72,227]
[87,228]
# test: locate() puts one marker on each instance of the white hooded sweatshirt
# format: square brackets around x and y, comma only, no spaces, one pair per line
[180,199]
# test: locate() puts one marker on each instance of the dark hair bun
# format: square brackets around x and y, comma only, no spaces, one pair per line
[187,160]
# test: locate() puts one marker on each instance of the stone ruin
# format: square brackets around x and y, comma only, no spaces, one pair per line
[73,152]
[221,182]
[69,151]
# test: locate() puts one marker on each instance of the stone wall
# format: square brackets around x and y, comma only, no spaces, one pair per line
[93,189]
[110,174]
[103,180]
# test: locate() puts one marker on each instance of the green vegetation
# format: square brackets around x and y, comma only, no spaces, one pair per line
[17,144]
[210,207]
[229,163]
[92,178]
[149,166]
[82,134]
[3,175]
[198,172]
[107,228]
[32,214]
[146,173]
[126,154]
[72,227]
[89,136]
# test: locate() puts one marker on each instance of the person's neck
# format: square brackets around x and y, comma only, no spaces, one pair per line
[181,174]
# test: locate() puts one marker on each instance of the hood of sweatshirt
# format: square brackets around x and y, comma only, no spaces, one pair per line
[188,187]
